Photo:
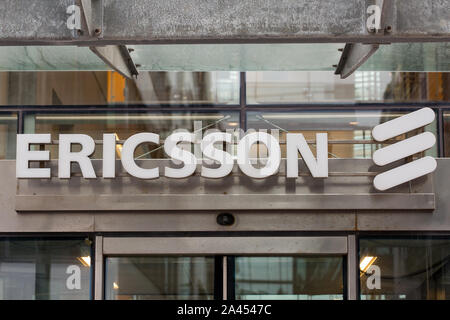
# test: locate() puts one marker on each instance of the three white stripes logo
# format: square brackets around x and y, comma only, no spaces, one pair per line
[403,149]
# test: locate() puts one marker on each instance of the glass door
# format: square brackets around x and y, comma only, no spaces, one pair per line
[221,268]
[160,278]
[288,278]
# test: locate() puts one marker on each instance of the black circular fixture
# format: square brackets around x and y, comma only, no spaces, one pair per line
[225,219]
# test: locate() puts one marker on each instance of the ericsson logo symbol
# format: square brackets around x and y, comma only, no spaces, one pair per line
[403,149]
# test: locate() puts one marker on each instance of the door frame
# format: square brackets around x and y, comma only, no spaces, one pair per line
[227,246]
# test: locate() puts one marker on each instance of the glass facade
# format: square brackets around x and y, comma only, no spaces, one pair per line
[349,132]
[96,102]
[126,124]
[35,269]
[409,269]
[363,86]
[302,101]
[309,100]
[394,268]
[75,88]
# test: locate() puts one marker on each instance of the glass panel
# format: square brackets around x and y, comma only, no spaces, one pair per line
[44,269]
[177,57]
[289,278]
[46,58]
[362,86]
[159,278]
[99,88]
[8,134]
[349,132]
[412,269]
[125,125]
[447,133]
[238,57]
[230,57]
[413,57]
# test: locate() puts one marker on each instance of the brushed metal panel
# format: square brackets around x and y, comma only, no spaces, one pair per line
[260,202]
[407,220]
[348,188]
[225,245]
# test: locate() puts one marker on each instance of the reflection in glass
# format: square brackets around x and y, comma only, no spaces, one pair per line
[108,88]
[363,86]
[159,278]
[293,278]
[412,269]
[126,124]
[8,132]
[44,269]
[349,132]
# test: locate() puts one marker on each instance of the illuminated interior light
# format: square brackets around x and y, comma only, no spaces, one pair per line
[129,117]
[85,261]
[115,286]
[366,262]
[283,116]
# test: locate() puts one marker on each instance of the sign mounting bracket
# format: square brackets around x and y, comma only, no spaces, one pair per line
[116,56]
[379,23]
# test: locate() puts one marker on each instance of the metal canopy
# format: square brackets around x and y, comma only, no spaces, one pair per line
[34,22]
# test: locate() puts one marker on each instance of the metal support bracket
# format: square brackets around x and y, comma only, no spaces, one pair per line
[355,55]
[117,57]
[93,16]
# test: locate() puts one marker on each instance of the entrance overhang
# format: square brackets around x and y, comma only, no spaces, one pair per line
[45,22]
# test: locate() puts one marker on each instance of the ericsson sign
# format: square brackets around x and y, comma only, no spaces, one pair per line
[212,149]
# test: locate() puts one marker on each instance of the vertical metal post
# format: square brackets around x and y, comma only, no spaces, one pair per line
[20,122]
[98,278]
[224,277]
[243,101]
[352,272]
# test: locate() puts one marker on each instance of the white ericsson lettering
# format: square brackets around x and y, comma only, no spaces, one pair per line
[66,156]
[297,143]
[25,155]
[219,162]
